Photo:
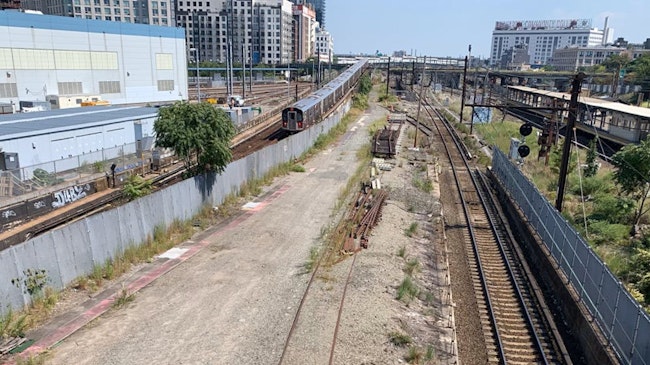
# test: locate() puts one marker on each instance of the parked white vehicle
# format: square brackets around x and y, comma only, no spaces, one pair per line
[235,100]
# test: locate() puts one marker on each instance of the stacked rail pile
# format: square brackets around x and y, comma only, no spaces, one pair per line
[364,214]
[385,140]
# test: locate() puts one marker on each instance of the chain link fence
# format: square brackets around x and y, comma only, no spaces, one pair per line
[621,319]
[26,181]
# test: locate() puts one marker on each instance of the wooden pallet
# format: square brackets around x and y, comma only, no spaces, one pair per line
[8,344]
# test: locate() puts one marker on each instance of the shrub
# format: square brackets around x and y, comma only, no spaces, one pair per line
[407,289]
[410,231]
[136,187]
[399,339]
[602,232]
[614,209]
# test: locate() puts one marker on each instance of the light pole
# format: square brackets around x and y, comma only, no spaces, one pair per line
[198,77]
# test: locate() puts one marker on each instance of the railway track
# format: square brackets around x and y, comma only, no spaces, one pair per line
[340,291]
[93,206]
[259,93]
[517,328]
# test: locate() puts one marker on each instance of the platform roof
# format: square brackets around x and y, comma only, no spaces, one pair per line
[28,124]
[593,102]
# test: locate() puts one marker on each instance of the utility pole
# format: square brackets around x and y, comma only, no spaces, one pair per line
[566,151]
[413,75]
[462,97]
[417,117]
[243,73]
[388,79]
[462,101]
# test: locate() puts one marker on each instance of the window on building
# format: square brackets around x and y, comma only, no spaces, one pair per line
[69,88]
[165,85]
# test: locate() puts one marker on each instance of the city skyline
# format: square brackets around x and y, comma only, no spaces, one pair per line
[447,29]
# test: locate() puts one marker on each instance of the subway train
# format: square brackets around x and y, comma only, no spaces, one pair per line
[310,110]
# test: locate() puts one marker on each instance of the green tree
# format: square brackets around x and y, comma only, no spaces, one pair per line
[632,164]
[365,84]
[616,62]
[640,68]
[200,134]
[592,163]
[556,160]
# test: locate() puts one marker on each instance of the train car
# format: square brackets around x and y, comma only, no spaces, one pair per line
[310,110]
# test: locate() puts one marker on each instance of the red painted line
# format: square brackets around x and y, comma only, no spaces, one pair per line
[102,307]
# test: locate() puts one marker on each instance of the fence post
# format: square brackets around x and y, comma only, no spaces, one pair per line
[636,332]
[584,277]
[611,327]
[600,286]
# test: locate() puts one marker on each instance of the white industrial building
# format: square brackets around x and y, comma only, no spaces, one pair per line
[542,37]
[45,57]
[258,31]
[65,139]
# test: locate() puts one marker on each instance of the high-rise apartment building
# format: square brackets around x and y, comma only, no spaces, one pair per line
[319,7]
[258,31]
[324,45]
[155,12]
[542,37]
[305,25]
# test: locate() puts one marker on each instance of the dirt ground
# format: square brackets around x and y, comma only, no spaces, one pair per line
[234,301]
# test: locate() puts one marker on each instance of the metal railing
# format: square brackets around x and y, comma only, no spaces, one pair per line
[621,319]
[19,184]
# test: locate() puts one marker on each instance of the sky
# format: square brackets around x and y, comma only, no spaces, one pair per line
[446,28]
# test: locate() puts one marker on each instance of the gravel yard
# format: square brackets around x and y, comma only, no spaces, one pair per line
[234,301]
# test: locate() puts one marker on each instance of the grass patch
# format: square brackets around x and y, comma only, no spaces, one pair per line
[399,339]
[314,254]
[407,290]
[13,324]
[39,359]
[297,168]
[425,184]
[375,126]
[410,231]
[123,298]
[412,267]
[417,355]
[401,252]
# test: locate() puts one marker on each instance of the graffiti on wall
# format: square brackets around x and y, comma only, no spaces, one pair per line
[70,195]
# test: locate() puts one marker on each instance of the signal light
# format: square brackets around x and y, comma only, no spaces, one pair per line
[526,129]
[299,124]
[523,150]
